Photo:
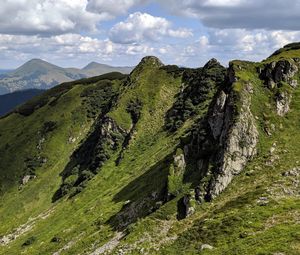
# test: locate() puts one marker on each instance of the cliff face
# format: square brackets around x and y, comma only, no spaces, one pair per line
[234,130]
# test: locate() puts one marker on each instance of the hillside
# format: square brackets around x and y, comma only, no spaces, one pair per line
[40,74]
[9,101]
[166,160]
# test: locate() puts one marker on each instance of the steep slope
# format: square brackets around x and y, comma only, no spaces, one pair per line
[9,101]
[165,161]
[40,74]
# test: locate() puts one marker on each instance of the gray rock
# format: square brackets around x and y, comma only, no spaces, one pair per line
[216,119]
[294,83]
[27,178]
[283,101]
[293,172]
[206,247]
[238,139]
[179,162]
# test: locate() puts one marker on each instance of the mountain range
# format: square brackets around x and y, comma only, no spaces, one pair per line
[40,74]
[166,160]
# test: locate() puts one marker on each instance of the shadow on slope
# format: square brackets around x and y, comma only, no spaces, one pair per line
[143,195]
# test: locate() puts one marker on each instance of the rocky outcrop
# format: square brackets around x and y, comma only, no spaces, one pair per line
[283,100]
[233,128]
[216,120]
[176,172]
[186,206]
[276,72]
[27,178]
[103,140]
[179,161]
[275,75]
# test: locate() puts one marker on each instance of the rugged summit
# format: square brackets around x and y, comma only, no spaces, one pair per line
[166,160]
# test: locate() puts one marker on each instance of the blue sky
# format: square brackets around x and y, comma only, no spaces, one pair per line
[121,32]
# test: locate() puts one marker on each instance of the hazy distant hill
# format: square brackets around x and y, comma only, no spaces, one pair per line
[4,71]
[40,74]
[11,100]
[94,68]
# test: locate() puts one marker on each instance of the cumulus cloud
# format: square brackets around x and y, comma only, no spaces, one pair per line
[45,17]
[140,27]
[68,30]
[70,50]
[112,8]
[250,14]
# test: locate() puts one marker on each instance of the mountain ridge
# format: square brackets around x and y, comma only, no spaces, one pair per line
[165,160]
[37,73]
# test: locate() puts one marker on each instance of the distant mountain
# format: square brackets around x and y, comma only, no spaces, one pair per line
[40,74]
[94,68]
[5,71]
[9,101]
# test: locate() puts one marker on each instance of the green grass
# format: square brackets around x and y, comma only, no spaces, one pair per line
[234,223]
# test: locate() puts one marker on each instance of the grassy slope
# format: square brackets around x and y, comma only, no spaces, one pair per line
[89,211]
[234,223]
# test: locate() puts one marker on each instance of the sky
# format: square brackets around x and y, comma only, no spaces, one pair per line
[72,33]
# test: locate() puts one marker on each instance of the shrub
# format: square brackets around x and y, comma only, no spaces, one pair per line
[29,241]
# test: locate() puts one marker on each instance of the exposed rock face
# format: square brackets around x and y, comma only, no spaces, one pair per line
[105,137]
[108,128]
[179,162]
[176,172]
[185,207]
[283,101]
[274,74]
[235,132]
[27,178]
[216,119]
[282,70]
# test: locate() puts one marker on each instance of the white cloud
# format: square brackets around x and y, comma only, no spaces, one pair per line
[141,27]
[112,8]
[180,33]
[45,17]
[249,14]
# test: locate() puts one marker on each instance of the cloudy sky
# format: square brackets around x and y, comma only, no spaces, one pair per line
[121,32]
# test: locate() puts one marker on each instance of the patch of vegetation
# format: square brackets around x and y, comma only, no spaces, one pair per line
[48,126]
[29,241]
[51,96]
[199,87]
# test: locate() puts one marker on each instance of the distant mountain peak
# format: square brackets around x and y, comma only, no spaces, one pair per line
[92,65]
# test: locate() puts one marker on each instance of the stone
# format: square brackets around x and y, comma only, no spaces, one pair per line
[293,172]
[272,150]
[179,161]
[206,247]
[283,101]
[27,178]
[185,207]
[262,201]
[294,83]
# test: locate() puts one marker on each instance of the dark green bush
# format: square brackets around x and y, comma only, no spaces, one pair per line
[29,241]
[200,85]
